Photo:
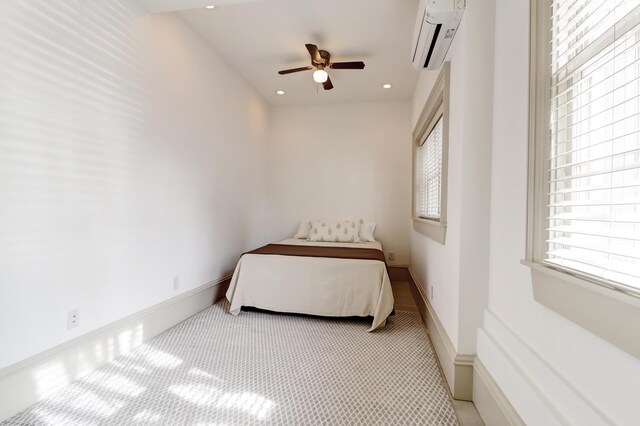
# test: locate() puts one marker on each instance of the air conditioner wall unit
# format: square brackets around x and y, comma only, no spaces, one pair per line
[437,25]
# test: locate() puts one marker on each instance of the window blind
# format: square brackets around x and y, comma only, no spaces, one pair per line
[429,158]
[593,167]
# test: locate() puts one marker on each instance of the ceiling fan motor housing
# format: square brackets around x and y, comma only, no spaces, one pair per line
[326,57]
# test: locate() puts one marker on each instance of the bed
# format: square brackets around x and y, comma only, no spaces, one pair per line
[324,286]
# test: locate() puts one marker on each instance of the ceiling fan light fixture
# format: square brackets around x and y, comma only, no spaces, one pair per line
[386,86]
[211,6]
[321,59]
[280,92]
[320,75]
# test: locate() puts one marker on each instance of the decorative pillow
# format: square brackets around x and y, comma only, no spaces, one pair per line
[366,230]
[342,231]
[303,230]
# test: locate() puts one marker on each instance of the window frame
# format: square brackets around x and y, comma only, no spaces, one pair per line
[437,104]
[593,303]
[539,108]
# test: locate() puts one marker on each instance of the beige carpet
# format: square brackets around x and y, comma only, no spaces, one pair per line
[261,368]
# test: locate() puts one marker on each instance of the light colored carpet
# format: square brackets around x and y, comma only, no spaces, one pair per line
[261,368]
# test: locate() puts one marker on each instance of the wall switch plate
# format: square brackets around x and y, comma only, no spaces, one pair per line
[431,292]
[391,255]
[73,318]
[176,283]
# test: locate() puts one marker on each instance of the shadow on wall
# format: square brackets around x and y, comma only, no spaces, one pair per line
[72,118]
[120,136]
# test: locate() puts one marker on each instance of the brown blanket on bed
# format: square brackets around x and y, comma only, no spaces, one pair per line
[319,251]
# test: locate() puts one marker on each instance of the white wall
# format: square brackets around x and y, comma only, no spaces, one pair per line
[120,139]
[458,270]
[553,371]
[342,161]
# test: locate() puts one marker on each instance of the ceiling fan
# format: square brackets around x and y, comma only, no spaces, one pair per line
[320,61]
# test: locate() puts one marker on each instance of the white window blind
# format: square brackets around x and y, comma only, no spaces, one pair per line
[429,158]
[593,168]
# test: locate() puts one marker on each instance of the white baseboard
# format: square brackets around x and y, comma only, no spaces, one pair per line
[536,390]
[28,381]
[457,368]
[492,404]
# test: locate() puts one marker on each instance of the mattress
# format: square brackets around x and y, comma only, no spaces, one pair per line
[313,285]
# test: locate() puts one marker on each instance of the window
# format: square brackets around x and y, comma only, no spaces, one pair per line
[591,143]
[584,156]
[429,164]
[430,148]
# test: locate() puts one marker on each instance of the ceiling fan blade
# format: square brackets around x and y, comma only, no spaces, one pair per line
[314,52]
[289,71]
[347,65]
[328,85]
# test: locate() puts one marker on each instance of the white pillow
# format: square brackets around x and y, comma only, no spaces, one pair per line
[366,230]
[303,230]
[342,231]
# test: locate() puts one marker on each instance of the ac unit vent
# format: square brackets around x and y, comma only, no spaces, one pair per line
[435,30]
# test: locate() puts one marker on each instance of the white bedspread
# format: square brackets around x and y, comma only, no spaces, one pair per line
[313,285]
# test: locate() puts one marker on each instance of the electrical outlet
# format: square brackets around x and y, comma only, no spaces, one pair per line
[176,283]
[73,318]
[431,292]
[391,255]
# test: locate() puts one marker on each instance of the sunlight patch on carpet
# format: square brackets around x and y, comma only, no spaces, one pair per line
[261,368]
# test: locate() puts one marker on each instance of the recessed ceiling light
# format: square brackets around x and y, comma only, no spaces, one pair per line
[386,86]
[211,6]
[279,92]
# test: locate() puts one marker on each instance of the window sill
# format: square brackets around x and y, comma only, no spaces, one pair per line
[434,230]
[608,313]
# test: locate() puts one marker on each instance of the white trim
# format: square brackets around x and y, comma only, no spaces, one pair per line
[434,120]
[582,278]
[535,388]
[437,103]
[431,228]
[539,88]
[585,280]
[603,311]
[457,368]
[22,383]
[492,404]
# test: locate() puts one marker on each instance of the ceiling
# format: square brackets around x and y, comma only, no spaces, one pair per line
[259,38]
[162,6]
